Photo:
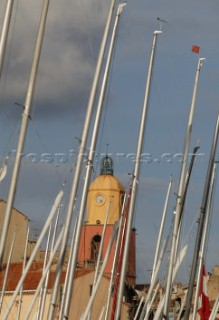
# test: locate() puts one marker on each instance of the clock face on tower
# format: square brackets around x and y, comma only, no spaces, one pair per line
[100,199]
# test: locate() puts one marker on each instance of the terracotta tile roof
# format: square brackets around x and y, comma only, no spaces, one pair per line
[33,277]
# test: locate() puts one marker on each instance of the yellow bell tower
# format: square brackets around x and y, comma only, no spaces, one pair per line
[105,192]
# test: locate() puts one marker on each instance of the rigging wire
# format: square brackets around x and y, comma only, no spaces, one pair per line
[88,24]
[105,124]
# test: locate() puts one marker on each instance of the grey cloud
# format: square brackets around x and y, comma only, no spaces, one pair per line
[69,53]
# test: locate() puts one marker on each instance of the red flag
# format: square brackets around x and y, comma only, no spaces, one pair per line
[203,301]
[195,49]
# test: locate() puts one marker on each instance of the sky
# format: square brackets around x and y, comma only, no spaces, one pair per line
[69,54]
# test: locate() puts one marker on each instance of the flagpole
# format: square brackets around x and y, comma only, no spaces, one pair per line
[201,221]
[204,239]
[135,178]
[178,210]
[23,129]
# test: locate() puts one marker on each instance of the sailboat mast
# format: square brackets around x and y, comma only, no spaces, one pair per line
[101,244]
[4,34]
[201,221]
[145,308]
[23,129]
[115,258]
[110,244]
[120,240]
[6,272]
[47,276]
[44,266]
[34,252]
[157,251]
[75,244]
[178,210]
[24,263]
[135,178]
[98,264]
[82,146]
[204,238]
[45,272]
[187,179]
[67,276]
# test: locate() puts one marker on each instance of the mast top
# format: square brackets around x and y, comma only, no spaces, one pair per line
[161,22]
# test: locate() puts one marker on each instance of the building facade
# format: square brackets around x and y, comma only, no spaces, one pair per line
[18,228]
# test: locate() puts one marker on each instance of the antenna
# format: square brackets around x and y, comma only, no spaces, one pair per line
[161,22]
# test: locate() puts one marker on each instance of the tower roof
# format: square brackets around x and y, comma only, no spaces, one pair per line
[106,182]
[106,165]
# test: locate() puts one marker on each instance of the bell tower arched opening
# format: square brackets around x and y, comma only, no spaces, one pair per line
[95,247]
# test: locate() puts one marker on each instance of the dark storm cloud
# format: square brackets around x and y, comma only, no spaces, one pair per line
[67,64]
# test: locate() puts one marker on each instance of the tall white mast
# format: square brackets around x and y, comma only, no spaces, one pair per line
[44,266]
[81,152]
[24,263]
[22,134]
[158,246]
[47,276]
[101,245]
[179,260]
[75,244]
[204,239]
[45,272]
[94,291]
[202,218]
[4,34]
[179,203]
[6,272]
[145,308]
[34,252]
[61,307]
[135,179]
[157,251]
[214,309]
[115,259]
[100,254]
